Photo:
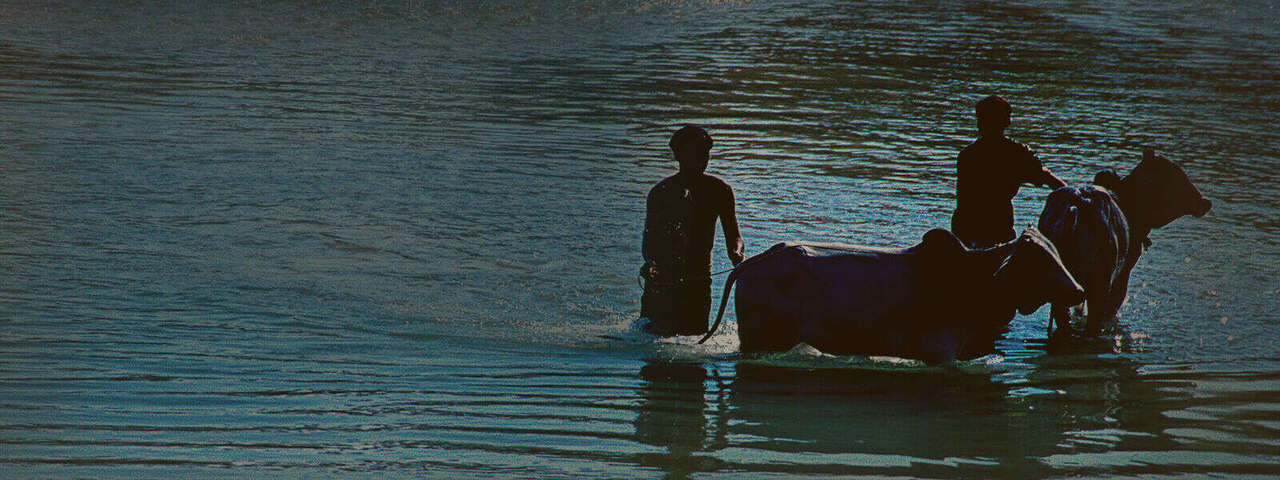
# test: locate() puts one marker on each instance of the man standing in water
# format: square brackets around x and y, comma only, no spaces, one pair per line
[679,231]
[988,174]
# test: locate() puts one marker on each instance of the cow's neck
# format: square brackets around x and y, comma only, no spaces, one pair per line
[1137,210]
[983,265]
[988,260]
[992,301]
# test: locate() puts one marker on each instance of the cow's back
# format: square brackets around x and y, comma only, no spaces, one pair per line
[1089,231]
[811,291]
[857,289]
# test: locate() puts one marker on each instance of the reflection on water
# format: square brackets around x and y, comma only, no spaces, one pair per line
[293,240]
[1164,419]
[889,422]
[673,414]
[1068,414]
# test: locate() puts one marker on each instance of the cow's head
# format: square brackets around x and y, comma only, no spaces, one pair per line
[1164,190]
[1034,274]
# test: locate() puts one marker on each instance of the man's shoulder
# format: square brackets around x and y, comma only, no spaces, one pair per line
[704,183]
[1002,146]
[976,148]
[1018,146]
[717,185]
[1006,144]
[970,153]
[975,145]
[662,185]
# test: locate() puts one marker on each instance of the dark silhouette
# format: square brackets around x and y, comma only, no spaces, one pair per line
[988,174]
[1101,229]
[937,301]
[679,232]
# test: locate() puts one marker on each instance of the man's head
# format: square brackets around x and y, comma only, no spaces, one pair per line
[993,116]
[692,148]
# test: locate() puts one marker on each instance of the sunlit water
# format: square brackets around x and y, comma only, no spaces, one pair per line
[304,240]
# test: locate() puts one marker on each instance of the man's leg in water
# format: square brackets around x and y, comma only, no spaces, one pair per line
[694,307]
[656,304]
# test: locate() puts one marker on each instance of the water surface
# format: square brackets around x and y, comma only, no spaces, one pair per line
[303,240]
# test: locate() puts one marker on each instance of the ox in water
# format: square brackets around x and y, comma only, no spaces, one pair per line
[1101,229]
[936,301]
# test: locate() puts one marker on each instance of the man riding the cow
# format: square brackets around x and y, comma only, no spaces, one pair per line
[989,172]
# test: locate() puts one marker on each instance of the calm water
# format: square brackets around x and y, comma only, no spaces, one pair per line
[290,239]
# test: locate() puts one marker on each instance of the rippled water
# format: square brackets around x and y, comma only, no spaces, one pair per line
[305,240]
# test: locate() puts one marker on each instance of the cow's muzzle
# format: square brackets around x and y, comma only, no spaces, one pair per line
[1202,207]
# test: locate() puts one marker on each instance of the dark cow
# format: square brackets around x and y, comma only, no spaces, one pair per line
[937,301]
[1101,229]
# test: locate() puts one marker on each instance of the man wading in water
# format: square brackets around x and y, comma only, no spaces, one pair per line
[988,174]
[679,231]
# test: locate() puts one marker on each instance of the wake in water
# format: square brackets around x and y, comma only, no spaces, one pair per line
[724,343]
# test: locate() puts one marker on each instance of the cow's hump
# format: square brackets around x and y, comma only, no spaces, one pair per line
[941,243]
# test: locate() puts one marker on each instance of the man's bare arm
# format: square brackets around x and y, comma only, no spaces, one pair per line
[729,222]
[1050,180]
[649,270]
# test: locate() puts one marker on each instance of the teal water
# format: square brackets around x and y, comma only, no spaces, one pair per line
[300,240]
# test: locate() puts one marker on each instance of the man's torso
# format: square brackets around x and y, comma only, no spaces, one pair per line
[686,210]
[989,172]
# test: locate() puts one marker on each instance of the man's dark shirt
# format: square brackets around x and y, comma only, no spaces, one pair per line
[989,172]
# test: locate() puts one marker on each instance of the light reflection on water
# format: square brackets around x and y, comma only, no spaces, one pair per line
[283,241]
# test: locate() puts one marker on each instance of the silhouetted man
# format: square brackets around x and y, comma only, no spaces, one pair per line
[679,232]
[988,174]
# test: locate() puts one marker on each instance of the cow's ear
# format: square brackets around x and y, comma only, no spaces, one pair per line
[1107,179]
[1148,154]
[939,242]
